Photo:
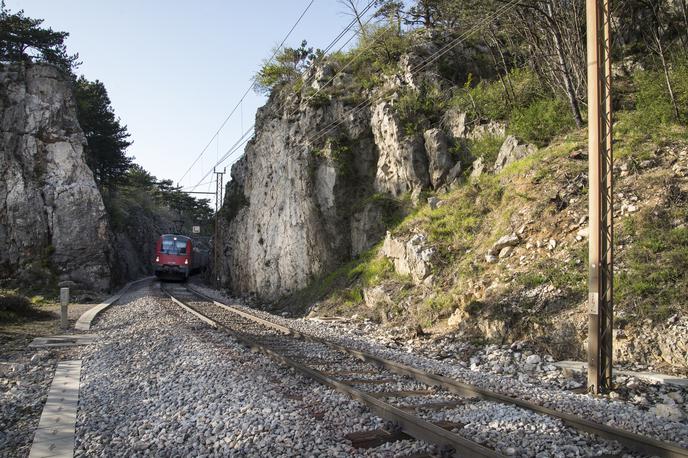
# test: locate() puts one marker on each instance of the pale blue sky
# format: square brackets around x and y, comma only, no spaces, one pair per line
[175,69]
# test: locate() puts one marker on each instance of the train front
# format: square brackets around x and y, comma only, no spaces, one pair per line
[173,257]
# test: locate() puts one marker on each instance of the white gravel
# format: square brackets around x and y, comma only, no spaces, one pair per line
[160,383]
[523,382]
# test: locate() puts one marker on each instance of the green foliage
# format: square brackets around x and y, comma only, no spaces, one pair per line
[495,100]
[22,39]
[541,121]
[486,146]
[287,66]
[15,307]
[371,272]
[140,193]
[107,138]
[653,104]
[420,109]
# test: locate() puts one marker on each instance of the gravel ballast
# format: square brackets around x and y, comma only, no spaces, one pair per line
[161,383]
[648,420]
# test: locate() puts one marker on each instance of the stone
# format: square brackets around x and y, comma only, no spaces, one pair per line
[510,152]
[478,168]
[676,397]
[503,242]
[669,411]
[505,252]
[551,244]
[490,258]
[412,258]
[376,296]
[440,161]
[455,122]
[533,359]
[433,202]
[490,128]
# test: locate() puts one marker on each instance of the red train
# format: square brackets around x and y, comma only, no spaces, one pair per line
[177,257]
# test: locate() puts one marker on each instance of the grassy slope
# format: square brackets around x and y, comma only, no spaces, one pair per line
[544,197]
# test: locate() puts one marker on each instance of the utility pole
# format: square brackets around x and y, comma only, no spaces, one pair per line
[601,228]
[219,185]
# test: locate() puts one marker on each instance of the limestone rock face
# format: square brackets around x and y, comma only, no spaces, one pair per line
[51,212]
[402,165]
[511,151]
[440,161]
[289,204]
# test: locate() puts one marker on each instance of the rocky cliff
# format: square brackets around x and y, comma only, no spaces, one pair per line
[311,190]
[53,224]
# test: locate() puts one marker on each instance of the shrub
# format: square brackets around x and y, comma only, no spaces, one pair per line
[489,100]
[653,103]
[541,121]
[487,147]
[14,307]
[420,109]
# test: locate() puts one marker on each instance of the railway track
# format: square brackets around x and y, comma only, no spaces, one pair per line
[406,397]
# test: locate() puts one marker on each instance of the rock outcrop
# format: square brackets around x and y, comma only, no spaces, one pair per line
[53,224]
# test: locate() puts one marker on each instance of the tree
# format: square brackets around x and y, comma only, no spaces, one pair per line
[287,66]
[107,138]
[23,40]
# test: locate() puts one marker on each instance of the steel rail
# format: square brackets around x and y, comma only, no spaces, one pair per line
[636,442]
[410,424]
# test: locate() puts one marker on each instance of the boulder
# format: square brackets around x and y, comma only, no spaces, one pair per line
[504,242]
[455,122]
[511,151]
[412,258]
[478,167]
[376,296]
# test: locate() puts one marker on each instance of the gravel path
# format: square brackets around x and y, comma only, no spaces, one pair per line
[161,383]
[666,421]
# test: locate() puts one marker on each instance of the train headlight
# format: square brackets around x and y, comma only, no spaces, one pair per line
[157,259]
[186,262]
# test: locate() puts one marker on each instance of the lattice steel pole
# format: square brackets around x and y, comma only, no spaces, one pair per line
[219,185]
[601,259]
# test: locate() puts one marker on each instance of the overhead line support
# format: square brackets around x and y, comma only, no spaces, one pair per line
[601,218]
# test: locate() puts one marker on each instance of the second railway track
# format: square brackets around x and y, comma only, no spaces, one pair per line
[410,399]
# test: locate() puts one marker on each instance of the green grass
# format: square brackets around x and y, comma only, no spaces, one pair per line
[654,282]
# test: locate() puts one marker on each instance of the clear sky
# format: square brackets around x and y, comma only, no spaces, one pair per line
[175,69]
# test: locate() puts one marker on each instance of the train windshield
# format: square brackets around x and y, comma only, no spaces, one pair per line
[173,245]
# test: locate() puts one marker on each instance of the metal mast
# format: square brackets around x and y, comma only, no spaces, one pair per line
[219,185]
[601,279]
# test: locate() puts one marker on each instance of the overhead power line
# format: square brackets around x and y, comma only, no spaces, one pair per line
[248,90]
[331,45]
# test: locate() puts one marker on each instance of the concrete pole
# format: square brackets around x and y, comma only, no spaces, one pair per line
[600,282]
[64,306]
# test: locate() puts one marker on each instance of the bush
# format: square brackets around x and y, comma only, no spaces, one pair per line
[488,100]
[541,121]
[487,147]
[420,109]
[653,103]
[14,307]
